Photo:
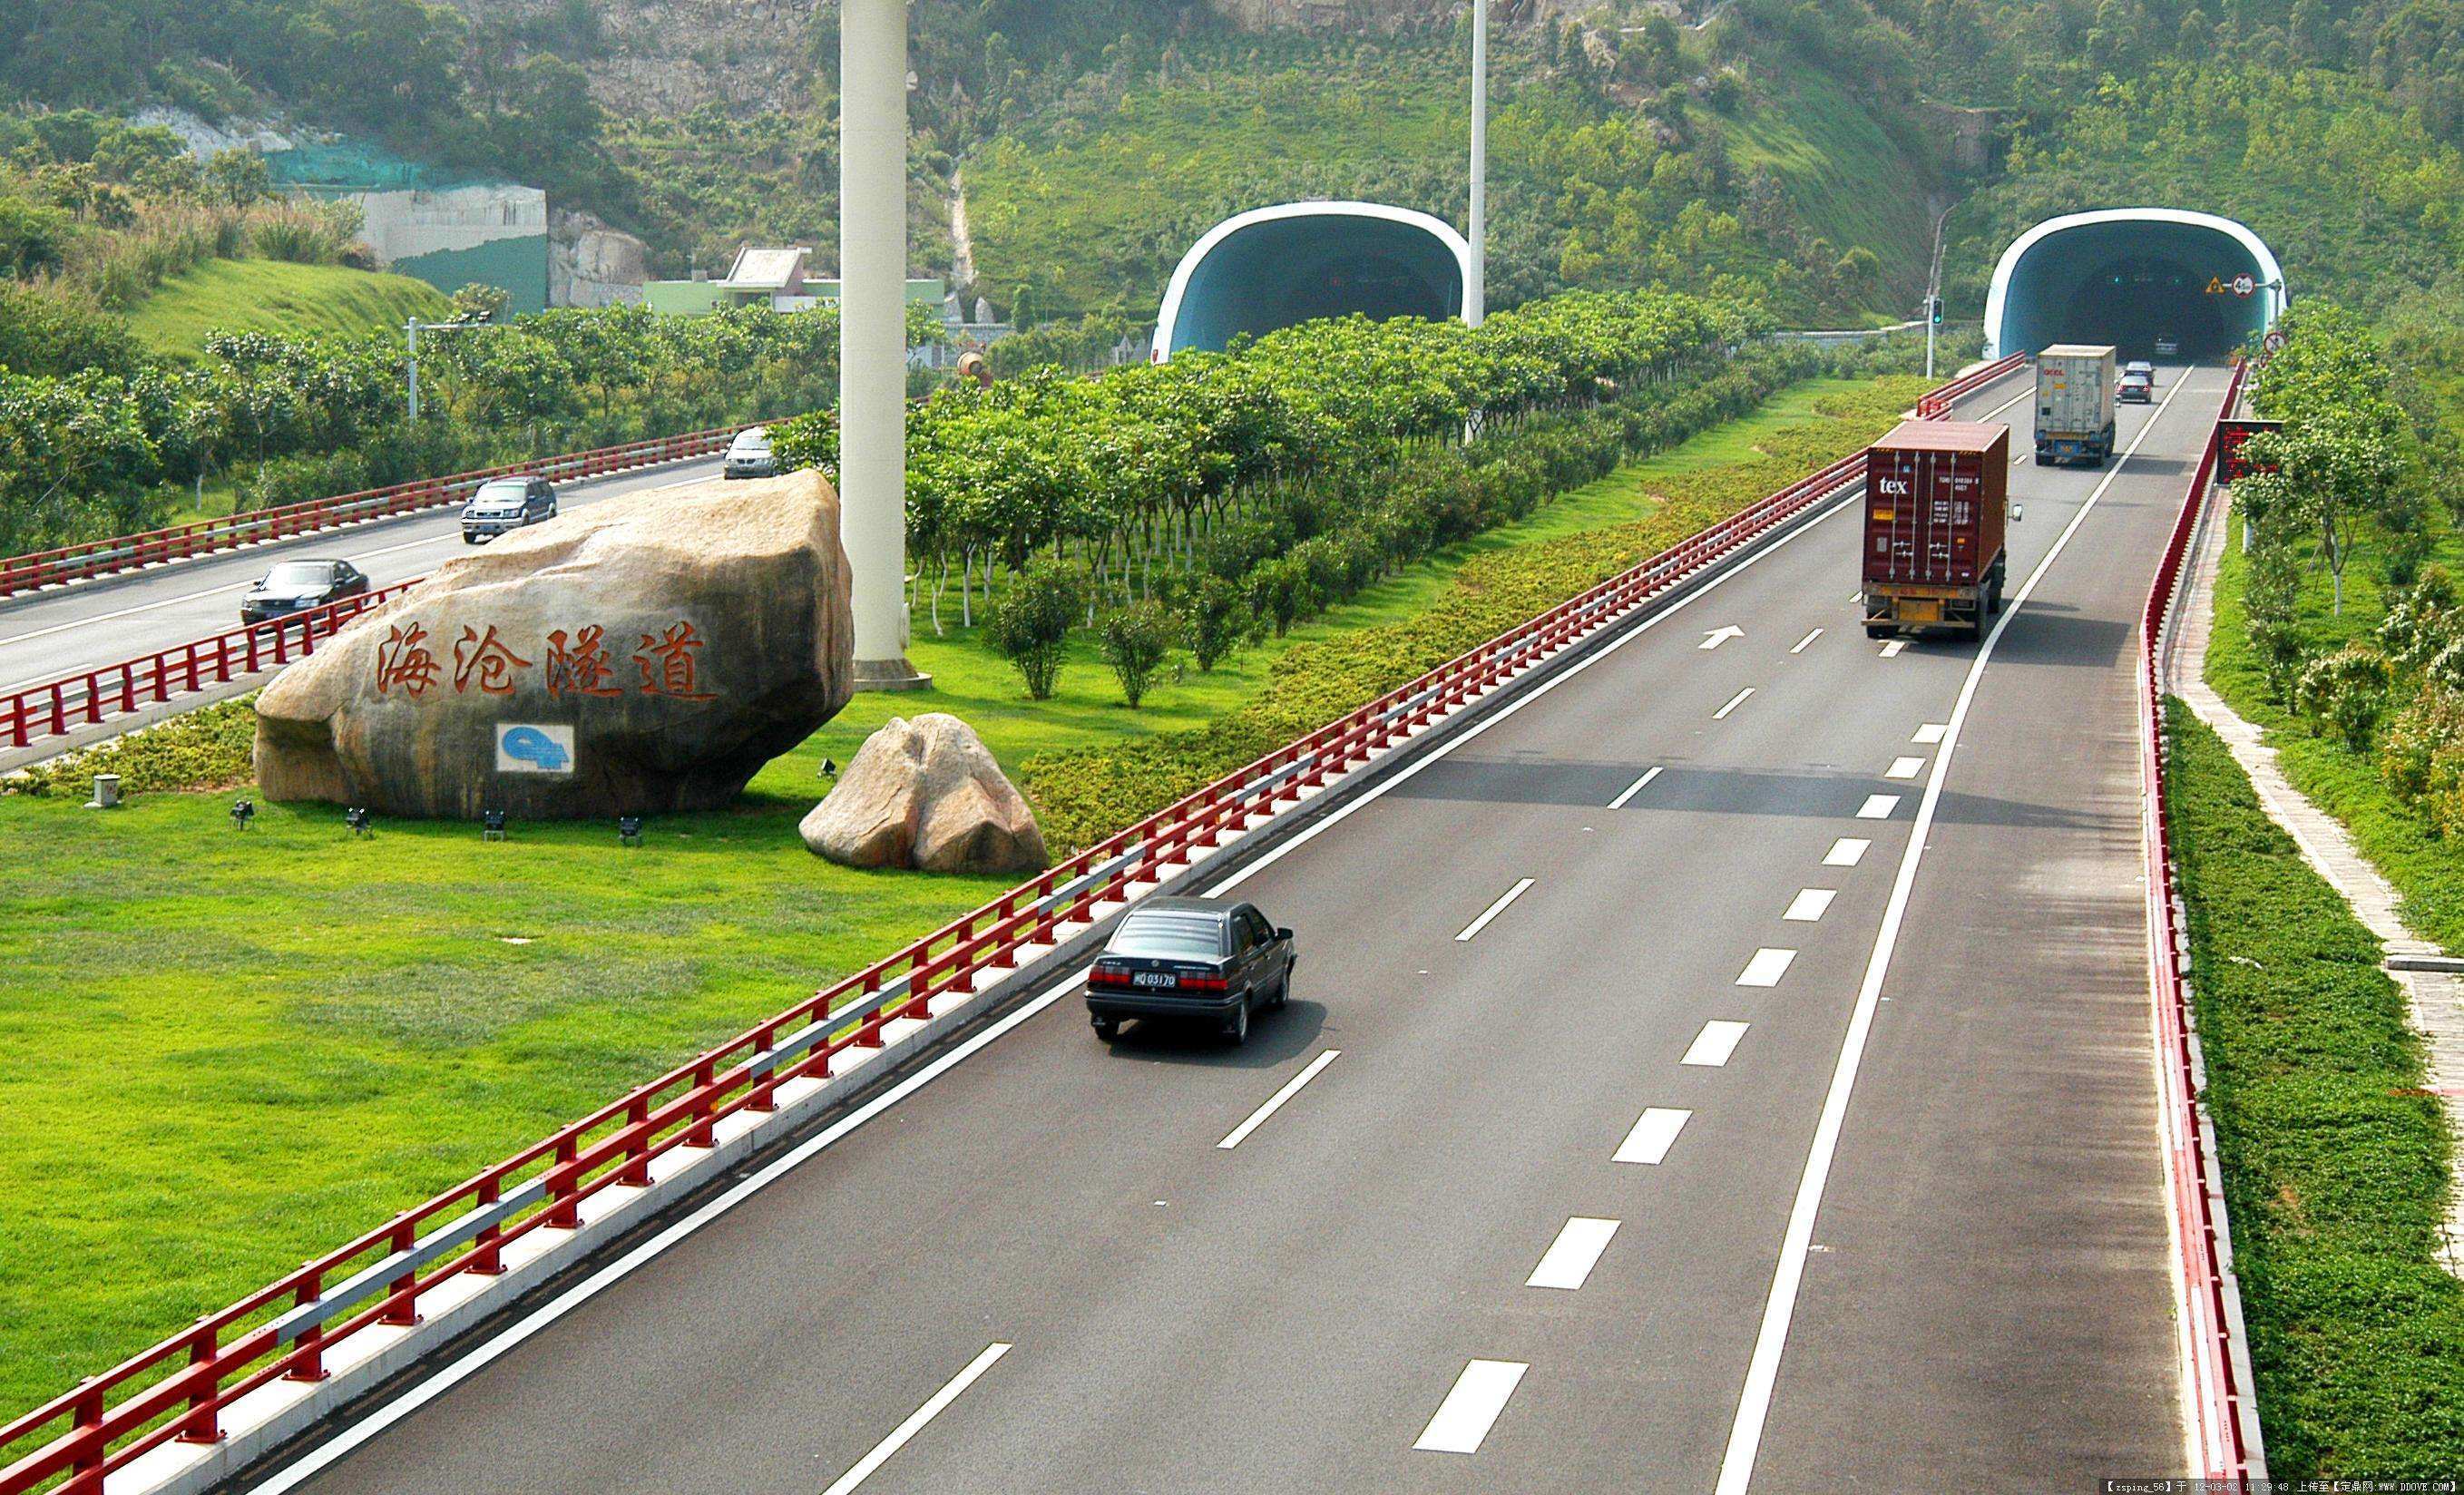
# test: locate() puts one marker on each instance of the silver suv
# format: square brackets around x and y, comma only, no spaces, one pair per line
[507,503]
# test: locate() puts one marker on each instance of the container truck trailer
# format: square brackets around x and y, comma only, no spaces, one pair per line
[2074,403]
[1937,512]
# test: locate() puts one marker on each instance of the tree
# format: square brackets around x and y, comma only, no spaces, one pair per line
[1212,620]
[237,177]
[1136,640]
[2327,477]
[1029,625]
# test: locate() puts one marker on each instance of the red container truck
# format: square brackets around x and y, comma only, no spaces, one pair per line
[1937,507]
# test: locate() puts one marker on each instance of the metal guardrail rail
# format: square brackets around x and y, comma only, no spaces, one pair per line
[2224,1416]
[206,537]
[176,1390]
[1936,404]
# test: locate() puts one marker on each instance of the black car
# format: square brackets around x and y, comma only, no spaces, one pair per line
[506,503]
[1191,959]
[296,585]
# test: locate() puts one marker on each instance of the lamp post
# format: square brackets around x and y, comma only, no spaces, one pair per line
[1476,291]
[410,331]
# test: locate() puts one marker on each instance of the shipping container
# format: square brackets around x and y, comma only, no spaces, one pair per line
[1937,512]
[2074,403]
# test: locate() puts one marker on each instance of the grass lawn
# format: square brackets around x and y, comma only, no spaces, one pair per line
[272,295]
[233,1051]
[2334,1157]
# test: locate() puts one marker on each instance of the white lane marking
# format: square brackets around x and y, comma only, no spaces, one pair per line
[1809,904]
[1846,851]
[1808,639]
[1891,651]
[1766,968]
[1734,701]
[1712,1046]
[1762,1373]
[1905,768]
[1275,1102]
[1507,712]
[915,1421]
[1713,638]
[1653,1133]
[1878,807]
[359,1432]
[1635,789]
[1930,732]
[1493,910]
[1464,1418]
[1572,1256]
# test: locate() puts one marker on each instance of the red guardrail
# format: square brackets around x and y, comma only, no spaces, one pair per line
[56,707]
[205,536]
[1936,404]
[178,1389]
[2218,1403]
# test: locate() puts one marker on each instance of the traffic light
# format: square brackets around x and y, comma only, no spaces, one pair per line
[1933,310]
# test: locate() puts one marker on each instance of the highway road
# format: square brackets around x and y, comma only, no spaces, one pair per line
[65,631]
[1729,1068]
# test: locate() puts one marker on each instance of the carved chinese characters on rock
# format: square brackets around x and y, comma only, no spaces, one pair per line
[572,663]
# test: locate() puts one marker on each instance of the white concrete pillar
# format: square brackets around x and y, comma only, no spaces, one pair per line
[872,339]
[1476,293]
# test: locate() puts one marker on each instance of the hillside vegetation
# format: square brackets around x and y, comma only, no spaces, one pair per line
[270,296]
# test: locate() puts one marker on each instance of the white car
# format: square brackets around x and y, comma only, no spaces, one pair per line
[749,454]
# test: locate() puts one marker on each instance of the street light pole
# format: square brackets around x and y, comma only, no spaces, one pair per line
[1476,292]
[410,331]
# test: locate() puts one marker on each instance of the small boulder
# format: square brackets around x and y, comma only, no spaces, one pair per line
[925,794]
[644,655]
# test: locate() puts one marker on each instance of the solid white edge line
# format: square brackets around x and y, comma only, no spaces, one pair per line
[915,1421]
[1652,1135]
[1734,701]
[1762,1373]
[444,1380]
[1275,1102]
[1635,789]
[1480,1394]
[1715,1045]
[349,1439]
[1808,639]
[1494,910]
[1567,1263]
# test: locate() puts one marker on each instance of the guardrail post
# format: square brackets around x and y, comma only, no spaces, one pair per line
[765,1093]
[636,1173]
[487,1257]
[308,1361]
[203,1425]
[93,1446]
[565,1211]
[705,1075]
[401,1305]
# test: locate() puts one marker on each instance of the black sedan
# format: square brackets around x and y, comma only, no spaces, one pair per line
[1191,959]
[298,585]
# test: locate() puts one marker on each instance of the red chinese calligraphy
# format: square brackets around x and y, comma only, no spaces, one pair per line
[402,660]
[579,666]
[667,662]
[485,660]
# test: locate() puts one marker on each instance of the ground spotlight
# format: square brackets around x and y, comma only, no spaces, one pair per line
[357,818]
[628,829]
[830,769]
[491,824]
[242,812]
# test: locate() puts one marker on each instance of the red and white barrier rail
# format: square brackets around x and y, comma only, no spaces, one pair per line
[72,703]
[2223,1416]
[1934,404]
[294,1330]
[205,536]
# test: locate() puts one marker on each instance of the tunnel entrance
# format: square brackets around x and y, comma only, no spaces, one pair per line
[2136,278]
[1280,266]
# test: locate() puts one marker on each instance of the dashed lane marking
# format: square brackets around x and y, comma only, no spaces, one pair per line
[1493,910]
[1572,1256]
[1468,1412]
[1712,1046]
[1809,904]
[1846,851]
[1635,789]
[1878,807]
[1734,701]
[1651,1137]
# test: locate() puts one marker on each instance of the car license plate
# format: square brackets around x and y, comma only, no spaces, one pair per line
[1154,978]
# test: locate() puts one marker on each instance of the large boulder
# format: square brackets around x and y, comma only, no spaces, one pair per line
[925,794]
[644,655]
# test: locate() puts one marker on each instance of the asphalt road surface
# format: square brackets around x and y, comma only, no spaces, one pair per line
[68,631]
[1741,1145]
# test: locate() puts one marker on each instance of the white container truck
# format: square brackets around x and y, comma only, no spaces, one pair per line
[2074,403]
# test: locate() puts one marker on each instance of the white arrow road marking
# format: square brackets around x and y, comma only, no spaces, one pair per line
[1903,768]
[1464,1418]
[1573,1255]
[1878,807]
[1493,911]
[1275,1102]
[1651,1137]
[915,1421]
[1716,637]
[1712,1046]
[1809,904]
[1734,701]
[1808,639]
[1766,968]
[1635,789]
[1846,851]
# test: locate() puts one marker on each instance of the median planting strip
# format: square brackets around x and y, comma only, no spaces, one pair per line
[438,1257]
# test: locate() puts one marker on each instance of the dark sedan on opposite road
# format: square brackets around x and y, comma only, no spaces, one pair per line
[1193,958]
[298,585]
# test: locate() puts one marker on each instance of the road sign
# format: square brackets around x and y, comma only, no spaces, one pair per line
[2273,343]
[2231,466]
[525,749]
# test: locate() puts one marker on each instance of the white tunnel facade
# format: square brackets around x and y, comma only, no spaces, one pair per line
[2133,277]
[1274,267]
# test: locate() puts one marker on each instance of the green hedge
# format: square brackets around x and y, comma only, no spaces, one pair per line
[2334,1157]
[212,748]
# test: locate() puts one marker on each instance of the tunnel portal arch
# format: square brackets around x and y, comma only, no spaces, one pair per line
[2130,277]
[1273,267]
